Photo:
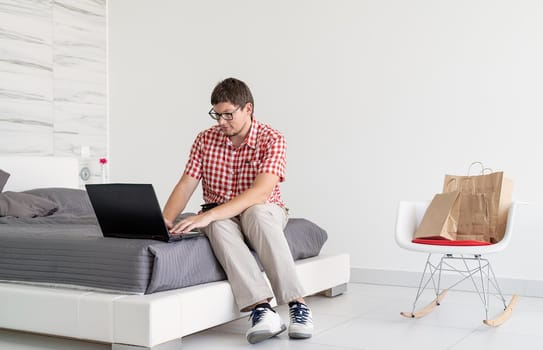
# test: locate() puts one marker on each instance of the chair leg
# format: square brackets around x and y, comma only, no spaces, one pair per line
[423,284]
[492,281]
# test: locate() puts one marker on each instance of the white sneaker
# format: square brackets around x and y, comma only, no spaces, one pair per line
[301,321]
[266,324]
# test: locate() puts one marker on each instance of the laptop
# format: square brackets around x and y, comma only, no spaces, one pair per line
[131,211]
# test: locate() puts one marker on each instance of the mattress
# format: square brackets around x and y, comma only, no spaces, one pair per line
[66,250]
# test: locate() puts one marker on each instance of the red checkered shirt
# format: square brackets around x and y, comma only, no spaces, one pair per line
[227,171]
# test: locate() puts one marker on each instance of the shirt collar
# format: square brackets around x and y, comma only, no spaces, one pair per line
[250,140]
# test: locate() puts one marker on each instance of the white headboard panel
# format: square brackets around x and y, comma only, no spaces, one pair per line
[28,172]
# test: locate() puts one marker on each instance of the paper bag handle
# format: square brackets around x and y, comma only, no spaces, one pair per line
[476,163]
[484,170]
[487,171]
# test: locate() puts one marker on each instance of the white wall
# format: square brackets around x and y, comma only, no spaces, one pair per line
[378,100]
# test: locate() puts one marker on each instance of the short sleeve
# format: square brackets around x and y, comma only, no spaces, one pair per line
[194,164]
[274,160]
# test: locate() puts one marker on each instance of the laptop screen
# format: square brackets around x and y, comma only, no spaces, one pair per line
[128,210]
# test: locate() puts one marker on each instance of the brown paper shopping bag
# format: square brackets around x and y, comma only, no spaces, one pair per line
[441,217]
[484,204]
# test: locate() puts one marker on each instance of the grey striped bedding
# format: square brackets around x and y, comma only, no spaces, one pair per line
[70,251]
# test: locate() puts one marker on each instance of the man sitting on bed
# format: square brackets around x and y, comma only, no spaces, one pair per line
[241,162]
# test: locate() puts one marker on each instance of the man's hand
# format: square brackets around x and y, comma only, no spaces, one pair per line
[168,223]
[191,222]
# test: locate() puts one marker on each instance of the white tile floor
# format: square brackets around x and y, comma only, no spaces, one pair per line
[366,317]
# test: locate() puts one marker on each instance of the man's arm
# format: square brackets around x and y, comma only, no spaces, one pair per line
[257,194]
[179,198]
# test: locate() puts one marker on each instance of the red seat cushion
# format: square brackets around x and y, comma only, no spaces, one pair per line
[448,242]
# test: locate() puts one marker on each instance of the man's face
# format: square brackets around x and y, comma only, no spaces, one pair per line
[241,118]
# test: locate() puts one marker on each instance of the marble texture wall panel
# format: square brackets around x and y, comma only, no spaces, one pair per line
[79,40]
[78,125]
[26,72]
[80,92]
[25,126]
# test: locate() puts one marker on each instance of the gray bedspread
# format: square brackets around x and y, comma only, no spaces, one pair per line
[69,250]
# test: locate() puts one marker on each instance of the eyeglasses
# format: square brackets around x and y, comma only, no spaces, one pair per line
[225,116]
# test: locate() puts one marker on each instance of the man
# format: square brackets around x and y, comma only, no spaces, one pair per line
[240,162]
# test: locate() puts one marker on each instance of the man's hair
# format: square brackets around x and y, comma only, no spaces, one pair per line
[232,90]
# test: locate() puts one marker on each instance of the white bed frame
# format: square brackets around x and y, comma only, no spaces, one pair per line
[156,321]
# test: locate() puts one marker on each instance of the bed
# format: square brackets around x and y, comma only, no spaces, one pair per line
[153,315]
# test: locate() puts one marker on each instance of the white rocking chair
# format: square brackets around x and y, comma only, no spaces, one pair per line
[467,261]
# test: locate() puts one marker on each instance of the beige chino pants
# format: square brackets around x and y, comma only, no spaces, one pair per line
[260,227]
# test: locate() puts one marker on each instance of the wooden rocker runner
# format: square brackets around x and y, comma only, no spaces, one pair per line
[427,309]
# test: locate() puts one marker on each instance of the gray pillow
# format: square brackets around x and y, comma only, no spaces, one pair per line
[3,179]
[24,205]
[304,237]
[70,202]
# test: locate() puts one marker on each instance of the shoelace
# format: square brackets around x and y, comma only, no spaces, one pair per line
[299,313]
[257,314]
